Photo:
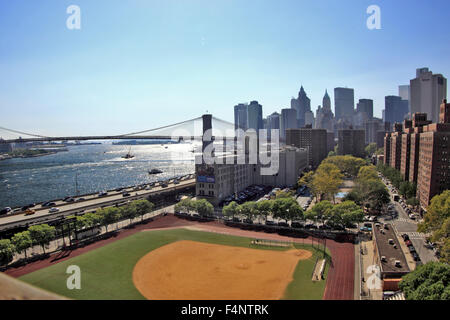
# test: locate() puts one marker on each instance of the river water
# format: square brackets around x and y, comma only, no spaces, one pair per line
[94,167]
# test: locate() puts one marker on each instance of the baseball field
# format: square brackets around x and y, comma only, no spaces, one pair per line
[187,264]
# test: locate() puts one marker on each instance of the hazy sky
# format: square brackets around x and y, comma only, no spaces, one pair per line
[139,64]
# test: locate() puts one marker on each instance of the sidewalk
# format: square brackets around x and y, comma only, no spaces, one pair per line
[368,271]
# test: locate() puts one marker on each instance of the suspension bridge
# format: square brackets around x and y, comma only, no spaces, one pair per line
[192,129]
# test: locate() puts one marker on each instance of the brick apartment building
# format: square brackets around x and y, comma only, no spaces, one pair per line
[314,140]
[433,176]
[396,146]
[351,142]
[421,151]
[418,122]
[406,149]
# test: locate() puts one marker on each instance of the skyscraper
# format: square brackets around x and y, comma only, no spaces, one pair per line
[240,116]
[324,115]
[427,92]
[404,92]
[365,105]
[301,105]
[288,120]
[254,116]
[344,103]
[395,109]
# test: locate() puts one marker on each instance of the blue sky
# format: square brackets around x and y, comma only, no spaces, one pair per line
[139,64]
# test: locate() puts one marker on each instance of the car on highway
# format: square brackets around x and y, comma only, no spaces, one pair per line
[148,188]
[53,210]
[126,194]
[80,199]
[164,185]
[102,193]
[176,181]
[29,212]
[48,204]
[5,210]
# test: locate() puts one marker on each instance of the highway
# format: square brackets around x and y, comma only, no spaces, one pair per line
[91,202]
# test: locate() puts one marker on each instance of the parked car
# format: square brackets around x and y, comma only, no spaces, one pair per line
[405,237]
[248,221]
[283,224]
[412,249]
[236,219]
[295,224]
[270,223]
[415,256]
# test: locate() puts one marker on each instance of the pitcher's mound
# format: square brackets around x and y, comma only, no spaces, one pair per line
[186,270]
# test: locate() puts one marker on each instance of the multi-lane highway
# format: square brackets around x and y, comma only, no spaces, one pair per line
[90,203]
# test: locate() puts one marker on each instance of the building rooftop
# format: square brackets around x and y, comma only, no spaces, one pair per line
[391,251]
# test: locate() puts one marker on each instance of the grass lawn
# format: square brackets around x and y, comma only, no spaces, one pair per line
[106,272]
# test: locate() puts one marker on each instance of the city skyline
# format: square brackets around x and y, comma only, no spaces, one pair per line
[118,73]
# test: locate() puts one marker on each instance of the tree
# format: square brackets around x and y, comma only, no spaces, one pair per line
[42,234]
[371,149]
[203,207]
[307,180]
[281,207]
[230,209]
[284,194]
[367,173]
[318,211]
[327,180]
[92,219]
[129,211]
[430,281]
[344,214]
[185,205]
[248,209]
[143,207]
[295,212]
[348,165]
[7,250]
[109,215]
[264,208]
[437,212]
[22,241]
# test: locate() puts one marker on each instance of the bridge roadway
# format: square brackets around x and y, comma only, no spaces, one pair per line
[43,139]
[91,202]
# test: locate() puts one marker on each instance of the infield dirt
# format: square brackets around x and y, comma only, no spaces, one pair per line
[202,271]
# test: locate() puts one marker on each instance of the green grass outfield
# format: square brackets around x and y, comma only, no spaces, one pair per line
[106,272]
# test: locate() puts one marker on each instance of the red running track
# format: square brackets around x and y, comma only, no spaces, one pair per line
[340,279]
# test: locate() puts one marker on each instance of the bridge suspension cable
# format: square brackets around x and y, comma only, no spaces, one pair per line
[25,133]
[160,128]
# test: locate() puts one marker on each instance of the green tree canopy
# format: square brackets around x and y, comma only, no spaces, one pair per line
[7,250]
[318,212]
[22,241]
[203,207]
[248,209]
[327,179]
[231,209]
[109,216]
[371,149]
[42,234]
[430,281]
[264,208]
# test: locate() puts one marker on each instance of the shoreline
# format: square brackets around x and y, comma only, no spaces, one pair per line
[7,157]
